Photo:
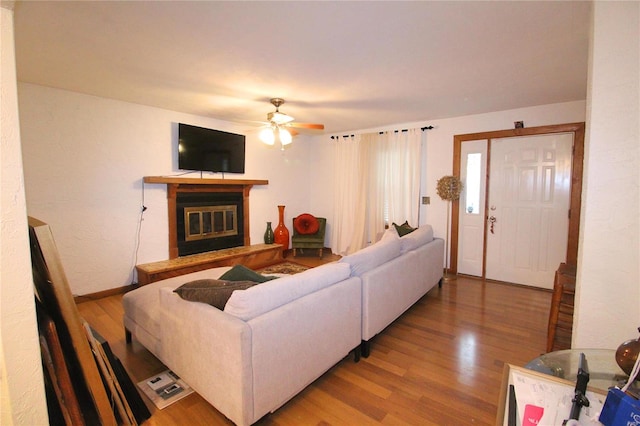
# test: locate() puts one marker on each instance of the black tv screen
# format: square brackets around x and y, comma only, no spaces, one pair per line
[210,150]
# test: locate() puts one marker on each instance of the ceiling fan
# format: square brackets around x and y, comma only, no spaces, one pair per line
[282,126]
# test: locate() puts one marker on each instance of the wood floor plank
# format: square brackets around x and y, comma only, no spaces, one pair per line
[440,363]
[339,410]
[359,381]
[355,397]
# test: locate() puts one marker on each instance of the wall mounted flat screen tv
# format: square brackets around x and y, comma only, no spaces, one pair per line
[210,150]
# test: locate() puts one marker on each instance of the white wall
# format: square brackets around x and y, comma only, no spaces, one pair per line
[608,290]
[22,398]
[84,159]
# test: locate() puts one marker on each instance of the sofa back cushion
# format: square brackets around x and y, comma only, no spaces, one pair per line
[417,238]
[257,300]
[373,256]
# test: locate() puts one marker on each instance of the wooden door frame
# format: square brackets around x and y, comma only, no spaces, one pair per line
[578,130]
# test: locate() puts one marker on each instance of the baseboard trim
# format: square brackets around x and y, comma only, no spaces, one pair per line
[105,293]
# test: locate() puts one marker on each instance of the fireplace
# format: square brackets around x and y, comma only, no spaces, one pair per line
[219,209]
[207,221]
[210,222]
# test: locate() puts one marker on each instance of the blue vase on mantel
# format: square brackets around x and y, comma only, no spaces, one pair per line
[268,234]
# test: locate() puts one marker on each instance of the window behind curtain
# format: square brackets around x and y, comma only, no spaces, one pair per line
[387,186]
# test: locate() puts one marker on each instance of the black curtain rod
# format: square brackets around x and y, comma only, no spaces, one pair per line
[406,130]
[395,131]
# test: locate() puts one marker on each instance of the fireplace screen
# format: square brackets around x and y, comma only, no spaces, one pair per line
[205,222]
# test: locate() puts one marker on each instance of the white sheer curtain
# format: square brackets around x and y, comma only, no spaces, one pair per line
[377,183]
[400,159]
[347,196]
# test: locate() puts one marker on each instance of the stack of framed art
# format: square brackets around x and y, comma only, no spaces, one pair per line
[85,383]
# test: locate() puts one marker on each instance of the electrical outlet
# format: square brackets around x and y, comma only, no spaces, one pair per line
[426,200]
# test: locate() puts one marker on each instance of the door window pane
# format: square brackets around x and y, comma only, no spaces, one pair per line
[472,185]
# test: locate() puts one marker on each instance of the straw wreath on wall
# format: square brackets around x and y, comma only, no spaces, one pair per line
[449,188]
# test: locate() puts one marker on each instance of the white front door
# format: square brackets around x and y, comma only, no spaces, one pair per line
[528,208]
[473,172]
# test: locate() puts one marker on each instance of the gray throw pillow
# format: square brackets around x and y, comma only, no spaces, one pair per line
[212,292]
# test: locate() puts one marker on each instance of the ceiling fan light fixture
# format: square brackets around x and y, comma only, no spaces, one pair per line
[267,136]
[279,128]
[285,136]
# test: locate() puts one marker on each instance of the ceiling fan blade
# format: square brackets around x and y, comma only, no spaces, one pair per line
[307,126]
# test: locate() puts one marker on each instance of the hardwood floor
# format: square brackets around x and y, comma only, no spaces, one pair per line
[438,364]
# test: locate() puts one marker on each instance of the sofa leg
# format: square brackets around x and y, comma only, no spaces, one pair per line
[127,336]
[440,283]
[365,348]
[294,252]
[356,354]
[320,253]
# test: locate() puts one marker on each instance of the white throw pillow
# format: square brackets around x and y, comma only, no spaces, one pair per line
[390,234]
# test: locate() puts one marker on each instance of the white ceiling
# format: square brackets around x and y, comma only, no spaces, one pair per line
[349,65]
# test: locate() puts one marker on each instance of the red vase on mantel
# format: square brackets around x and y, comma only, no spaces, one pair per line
[281,233]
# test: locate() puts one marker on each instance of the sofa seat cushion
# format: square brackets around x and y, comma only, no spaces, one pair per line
[257,300]
[417,238]
[212,292]
[142,305]
[373,256]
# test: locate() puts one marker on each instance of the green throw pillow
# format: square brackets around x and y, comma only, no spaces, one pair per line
[404,229]
[212,292]
[242,273]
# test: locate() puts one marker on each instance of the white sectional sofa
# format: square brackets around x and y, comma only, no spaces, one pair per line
[272,340]
[395,272]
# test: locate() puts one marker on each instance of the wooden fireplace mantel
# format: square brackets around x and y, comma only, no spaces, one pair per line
[176,185]
[177,180]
